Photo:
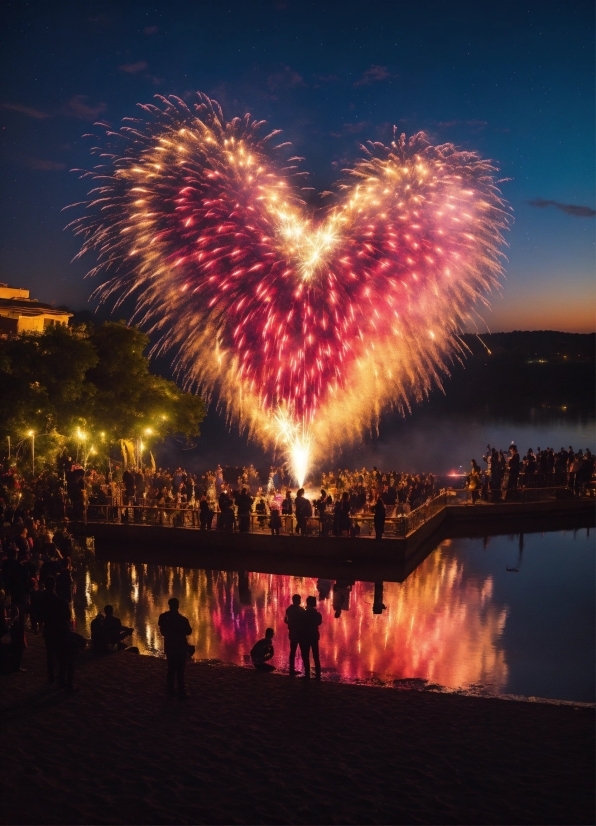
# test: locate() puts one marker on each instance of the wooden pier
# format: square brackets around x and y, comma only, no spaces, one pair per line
[390,559]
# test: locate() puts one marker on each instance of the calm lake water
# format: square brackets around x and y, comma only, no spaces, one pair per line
[460,621]
[423,442]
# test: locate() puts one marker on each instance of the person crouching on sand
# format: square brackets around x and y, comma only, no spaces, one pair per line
[262,651]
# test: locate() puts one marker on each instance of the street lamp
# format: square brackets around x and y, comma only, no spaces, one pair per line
[148,432]
[32,434]
[90,452]
[81,437]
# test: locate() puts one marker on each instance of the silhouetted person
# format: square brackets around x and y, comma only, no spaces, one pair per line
[324,588]
[98,634]
[64,583]
[293,619]
[341,596]
[379,518]
[287,509]
[309,637]
[261,510]
[275,522]
[175,628]
[244,588]
[344,522]
[34,600]
[13,575]
[378,606]
[262,651]
[244,505]
[55,616]
[128,480]
[205,514]
[114,631]
[18,641]
[303,512]
[474,481]
[226,514]
[513,467]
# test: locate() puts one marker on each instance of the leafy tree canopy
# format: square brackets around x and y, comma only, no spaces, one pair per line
[92,379]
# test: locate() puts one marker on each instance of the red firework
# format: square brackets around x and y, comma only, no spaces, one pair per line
[320,315]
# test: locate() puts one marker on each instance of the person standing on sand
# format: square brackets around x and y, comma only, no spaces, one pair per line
[293,619]
[175,628]
[55,614]
[309,637]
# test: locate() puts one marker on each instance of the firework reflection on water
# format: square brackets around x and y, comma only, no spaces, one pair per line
[440,625]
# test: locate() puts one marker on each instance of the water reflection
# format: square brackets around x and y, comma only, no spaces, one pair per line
[442,624]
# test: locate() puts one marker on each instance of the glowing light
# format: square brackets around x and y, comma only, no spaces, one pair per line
[330,319]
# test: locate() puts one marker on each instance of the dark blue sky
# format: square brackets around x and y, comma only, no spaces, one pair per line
[513,80]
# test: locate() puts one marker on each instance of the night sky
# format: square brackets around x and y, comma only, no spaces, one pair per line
[512,80]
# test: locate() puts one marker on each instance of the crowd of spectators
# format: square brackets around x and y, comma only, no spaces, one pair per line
[36,546]
[36,570]
[244,498]
[504,472]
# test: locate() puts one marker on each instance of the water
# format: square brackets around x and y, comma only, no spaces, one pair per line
[425,441]
[441,444]
[460,621]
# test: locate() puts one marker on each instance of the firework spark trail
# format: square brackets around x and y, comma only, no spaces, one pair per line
[307,327]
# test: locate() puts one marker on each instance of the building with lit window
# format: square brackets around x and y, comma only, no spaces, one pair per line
[21,314]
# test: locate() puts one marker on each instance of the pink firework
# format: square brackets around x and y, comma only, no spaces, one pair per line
[314,318]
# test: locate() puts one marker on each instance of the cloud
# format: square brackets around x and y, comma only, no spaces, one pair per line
[77,107]
[287,78]
[575,210]
[149,30]
[356,128]
[25,110]
[133,68]
[473,124]
[46,166]
[374,74]
[327,79]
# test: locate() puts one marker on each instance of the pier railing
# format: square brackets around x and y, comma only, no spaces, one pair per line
[397,525]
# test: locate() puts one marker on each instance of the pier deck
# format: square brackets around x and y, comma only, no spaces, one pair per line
[391,559]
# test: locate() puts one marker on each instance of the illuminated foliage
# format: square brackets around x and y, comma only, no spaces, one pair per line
[94,378]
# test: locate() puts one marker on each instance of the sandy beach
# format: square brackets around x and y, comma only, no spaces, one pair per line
[251,748]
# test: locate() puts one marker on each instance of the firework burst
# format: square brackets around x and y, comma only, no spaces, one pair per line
[307,324]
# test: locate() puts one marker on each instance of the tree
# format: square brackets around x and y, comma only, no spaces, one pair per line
[92,379]
[128,399]
[43,381]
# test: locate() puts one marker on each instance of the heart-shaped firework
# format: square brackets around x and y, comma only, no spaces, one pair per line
[307,323]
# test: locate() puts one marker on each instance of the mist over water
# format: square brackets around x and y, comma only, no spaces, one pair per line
[423,442]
